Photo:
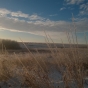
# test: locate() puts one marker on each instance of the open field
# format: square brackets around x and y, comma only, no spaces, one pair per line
[43,43]
[59,68]
[43,47]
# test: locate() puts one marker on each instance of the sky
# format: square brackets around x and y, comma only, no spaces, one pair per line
[33,20]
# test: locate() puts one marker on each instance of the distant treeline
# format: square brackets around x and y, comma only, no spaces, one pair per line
[9,44]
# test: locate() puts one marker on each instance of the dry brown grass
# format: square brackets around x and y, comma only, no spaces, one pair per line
[34,69]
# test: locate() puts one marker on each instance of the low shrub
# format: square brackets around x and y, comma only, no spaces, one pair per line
[9,44]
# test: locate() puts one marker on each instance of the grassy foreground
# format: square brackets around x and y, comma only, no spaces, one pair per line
[32,70]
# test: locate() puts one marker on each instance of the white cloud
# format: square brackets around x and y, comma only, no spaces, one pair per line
[40,26]
[19,14]
[83,9]
[35,17]
[62,8]
[74,1]
[5,12]
[84,6]
[37,25]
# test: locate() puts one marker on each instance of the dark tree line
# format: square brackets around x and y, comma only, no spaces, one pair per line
[9,44]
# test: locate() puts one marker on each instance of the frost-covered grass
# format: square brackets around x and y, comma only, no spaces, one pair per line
[61,68]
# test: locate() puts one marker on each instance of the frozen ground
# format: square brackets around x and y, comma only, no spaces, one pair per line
[54,76]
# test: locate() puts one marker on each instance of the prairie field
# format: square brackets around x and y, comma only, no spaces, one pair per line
[59,68]
[43,43]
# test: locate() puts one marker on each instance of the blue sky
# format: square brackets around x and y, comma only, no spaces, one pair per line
[28,19]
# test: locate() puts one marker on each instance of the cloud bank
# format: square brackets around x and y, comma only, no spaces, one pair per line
[37,25]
